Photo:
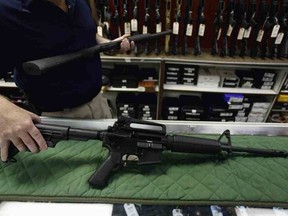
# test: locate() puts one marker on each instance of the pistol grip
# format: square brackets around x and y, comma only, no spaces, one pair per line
[100,178]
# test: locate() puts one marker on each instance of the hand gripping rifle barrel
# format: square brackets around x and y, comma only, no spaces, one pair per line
[42,66]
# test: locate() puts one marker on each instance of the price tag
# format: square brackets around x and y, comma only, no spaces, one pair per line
[145,29]
[275,31]
[159,27]
[189,30]
[176,28]
[279,38]
[216,211]
[130,210]
[219,34]
[134,25]
[127,28]
[100,30]
[242,211]
[201,30]
[177,212]
[247,32]
[241,34]
[260,36]
[229,31]
[279,212]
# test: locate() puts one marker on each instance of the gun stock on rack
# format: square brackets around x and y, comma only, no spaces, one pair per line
[144,139]
[42,66]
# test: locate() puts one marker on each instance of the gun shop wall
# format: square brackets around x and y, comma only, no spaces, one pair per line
[225,61]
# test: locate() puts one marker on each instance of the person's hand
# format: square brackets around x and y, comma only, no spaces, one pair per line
[126,45]
[17,127]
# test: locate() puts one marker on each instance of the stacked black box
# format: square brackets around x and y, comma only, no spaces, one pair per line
[126,104]
[125,76]
[170,108]
[191,108]
[217,109]
[147,106]
[173,74]
[257,78]
[190,75]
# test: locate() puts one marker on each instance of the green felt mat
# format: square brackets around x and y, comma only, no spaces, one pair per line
[61,174]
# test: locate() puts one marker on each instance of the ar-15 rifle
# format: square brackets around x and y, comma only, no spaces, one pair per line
[188,21]
[144,139]
[229,25]
[42,66]
[176,27]
[200,29]
[282,38]
[218,22]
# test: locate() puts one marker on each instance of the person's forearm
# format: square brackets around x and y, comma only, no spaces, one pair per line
[101,40]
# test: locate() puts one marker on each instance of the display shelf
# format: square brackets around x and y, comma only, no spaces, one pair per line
[218,89]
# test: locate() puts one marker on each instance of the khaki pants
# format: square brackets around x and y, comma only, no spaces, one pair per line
[97,108]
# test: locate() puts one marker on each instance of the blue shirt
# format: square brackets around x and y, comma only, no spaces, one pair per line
[36,29]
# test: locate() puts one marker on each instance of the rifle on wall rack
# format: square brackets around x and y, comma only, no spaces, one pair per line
[167,25]
[146,26]
[229,23]
[144,139]
[218,23]
[158,26]
[282,38]
[200,27]
[275,27]
[116,18]
[127,24]
[239,28]
[263,37]
[135,25]
[188,26]
[176,27]
[245,29]
[250,17]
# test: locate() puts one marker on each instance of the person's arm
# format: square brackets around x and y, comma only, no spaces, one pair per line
[126,46]
[17,127]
